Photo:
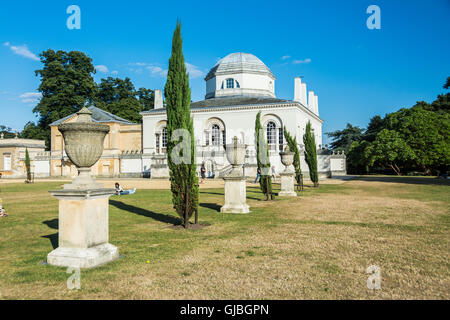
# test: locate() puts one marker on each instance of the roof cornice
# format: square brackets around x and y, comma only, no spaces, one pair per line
[241,107]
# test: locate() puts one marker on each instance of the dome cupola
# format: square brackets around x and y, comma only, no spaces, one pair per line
[240,74]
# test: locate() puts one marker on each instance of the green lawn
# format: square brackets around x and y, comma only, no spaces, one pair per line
[317,246]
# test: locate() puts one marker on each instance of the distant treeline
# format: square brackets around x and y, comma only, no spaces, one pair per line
[412,140]
[67,84]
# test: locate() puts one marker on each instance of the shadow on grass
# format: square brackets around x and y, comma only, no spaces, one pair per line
[212,206]
[146,213]
[52,237]
[409,180]
[221,194]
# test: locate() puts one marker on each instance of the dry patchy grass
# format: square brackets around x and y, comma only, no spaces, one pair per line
[316,246]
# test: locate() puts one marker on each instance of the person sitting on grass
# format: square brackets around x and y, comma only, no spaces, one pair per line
[121,192]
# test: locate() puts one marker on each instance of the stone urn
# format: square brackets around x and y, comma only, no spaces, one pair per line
[287,159]
[236,157]
[83,141]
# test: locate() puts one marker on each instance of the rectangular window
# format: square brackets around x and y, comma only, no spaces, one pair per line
[6,162]
[206,138]
[230,83]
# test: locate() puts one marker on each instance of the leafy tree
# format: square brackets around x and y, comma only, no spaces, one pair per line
[389,149]
[183,177]
[311,154]
[447,84]
[376,123]
[146,98]
[357,161]
[127,108]
[7,132]
[112,90]
[33,131]
[426,133]
[262,158]
[66,86]
[342,139]
[28,165]
[293,146]
[119,97]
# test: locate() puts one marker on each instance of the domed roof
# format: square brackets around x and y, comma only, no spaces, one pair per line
[239,62]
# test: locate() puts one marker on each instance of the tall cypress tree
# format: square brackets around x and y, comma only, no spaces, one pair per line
[311,154]
[28,165]
[292,143]
[262,149]
[183,176]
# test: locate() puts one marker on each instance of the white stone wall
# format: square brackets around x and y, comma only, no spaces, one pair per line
[250,84]
[41,168]
[240,123]
[131,165]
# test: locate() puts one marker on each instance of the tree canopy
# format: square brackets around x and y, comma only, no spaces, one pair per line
[410,139]
[67,84]
[342,139]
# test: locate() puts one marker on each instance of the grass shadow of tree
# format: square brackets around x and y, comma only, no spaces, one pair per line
[212,206]
[52,237]
[146,213]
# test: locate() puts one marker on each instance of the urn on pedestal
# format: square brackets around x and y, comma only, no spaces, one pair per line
[235,184]
[83,204]
[287,176]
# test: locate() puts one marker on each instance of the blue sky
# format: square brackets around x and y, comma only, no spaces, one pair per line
[356,72]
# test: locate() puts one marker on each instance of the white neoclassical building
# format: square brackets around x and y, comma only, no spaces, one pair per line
[237,88]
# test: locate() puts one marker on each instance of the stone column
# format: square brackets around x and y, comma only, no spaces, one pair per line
[287,185]
[235,195]
[287,176]
[235,182]
[83,229]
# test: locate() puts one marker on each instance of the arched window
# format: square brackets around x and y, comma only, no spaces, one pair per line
[230,83]
[271,134]
[215,135]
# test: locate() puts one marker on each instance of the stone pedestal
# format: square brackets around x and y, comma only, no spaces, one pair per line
[235,195]
[287,185]
[83,229]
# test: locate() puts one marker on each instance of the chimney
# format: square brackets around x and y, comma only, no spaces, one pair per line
[158,99]
[298,89]
[311,100]
[303,101]
[316,104]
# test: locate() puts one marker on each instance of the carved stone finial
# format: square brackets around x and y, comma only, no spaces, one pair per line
[84,115]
